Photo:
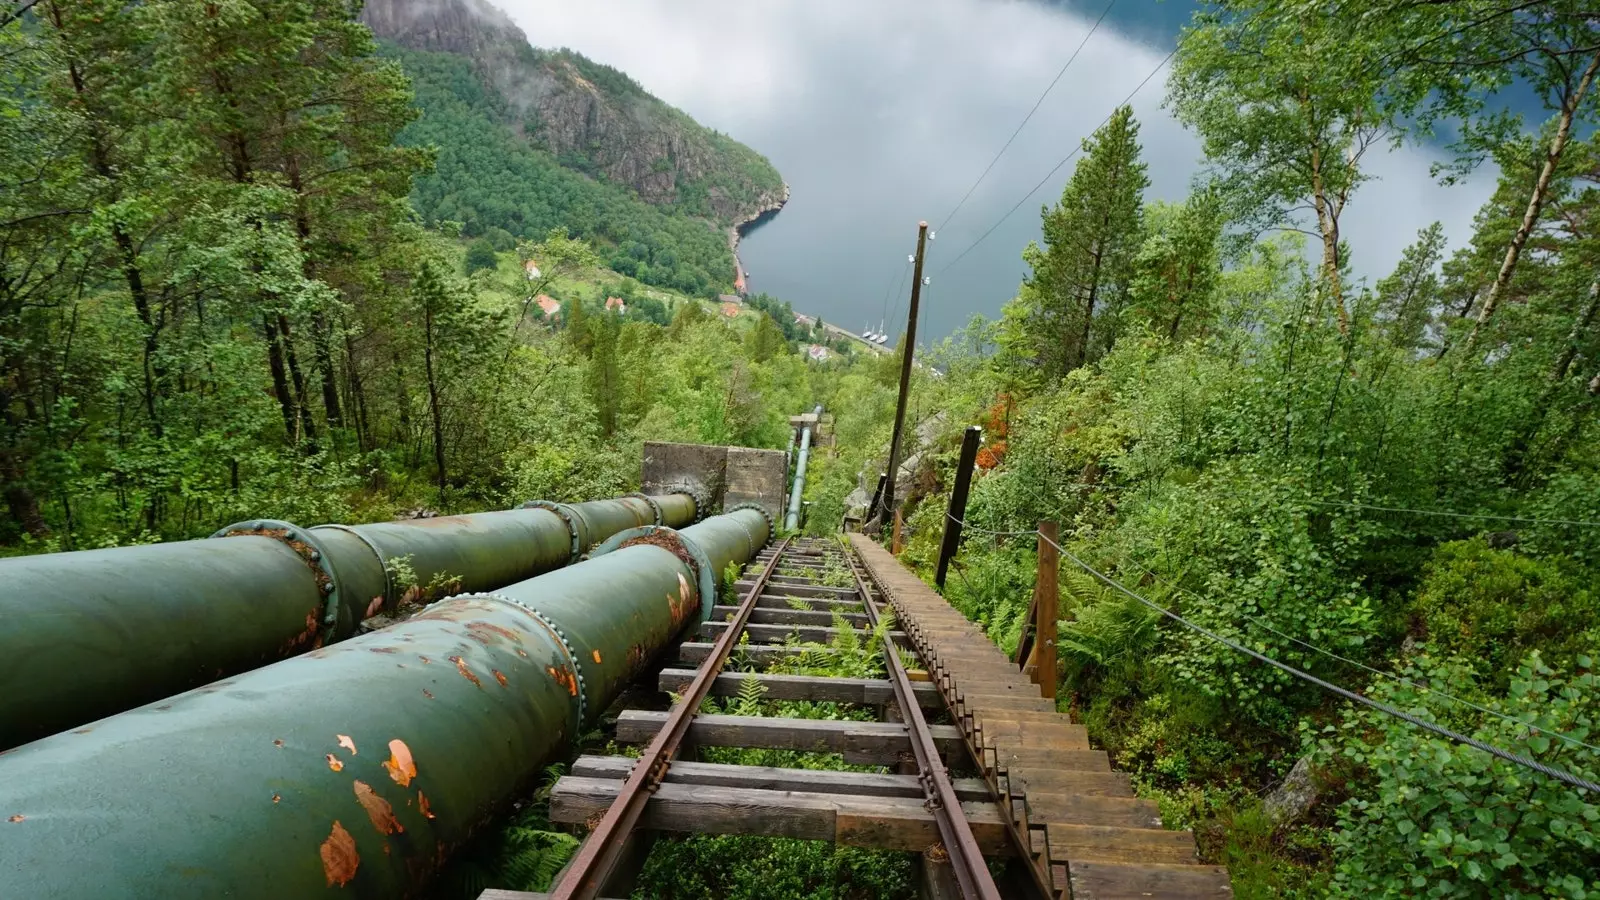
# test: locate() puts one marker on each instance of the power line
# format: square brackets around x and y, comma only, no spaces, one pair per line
[1508,756]
[1052,172]
[1382,674]
[946,220]
[1454,515]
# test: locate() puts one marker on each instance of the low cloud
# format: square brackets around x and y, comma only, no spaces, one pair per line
[880,114]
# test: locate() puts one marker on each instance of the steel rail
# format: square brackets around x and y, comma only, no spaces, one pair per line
[966,859]
[600,853]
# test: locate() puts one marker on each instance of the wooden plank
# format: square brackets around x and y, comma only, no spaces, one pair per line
[766,615]
[865,691]
[866,743]
[1147,881]
[799,590]
[777,634]
[768,601]
[825,781]
[1099,843]
[764,655]
[882,823]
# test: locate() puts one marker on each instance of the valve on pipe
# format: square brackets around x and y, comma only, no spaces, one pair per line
[91,633]
[356,769]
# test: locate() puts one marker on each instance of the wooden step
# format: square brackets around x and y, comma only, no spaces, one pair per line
[1146,881]
[1101,843]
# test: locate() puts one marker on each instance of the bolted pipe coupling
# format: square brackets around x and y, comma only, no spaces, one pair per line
[304,544]
[566,514]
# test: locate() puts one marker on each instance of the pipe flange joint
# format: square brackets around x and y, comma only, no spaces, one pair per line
[678,544]
[301,541]
[565,512]
[772,525]
[655,507]
[390,596]
[697,492]
[579,690]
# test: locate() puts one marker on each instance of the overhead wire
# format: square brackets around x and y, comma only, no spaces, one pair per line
[1450,734]
[1052,172]
[1025,119]
[1378,672]
[1497,752]
[1455,515]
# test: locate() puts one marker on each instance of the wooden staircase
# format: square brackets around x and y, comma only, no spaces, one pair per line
[1087,835]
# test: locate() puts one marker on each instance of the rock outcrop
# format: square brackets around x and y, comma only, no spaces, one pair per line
[590,116]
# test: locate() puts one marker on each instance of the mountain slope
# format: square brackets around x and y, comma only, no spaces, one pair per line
[590,117]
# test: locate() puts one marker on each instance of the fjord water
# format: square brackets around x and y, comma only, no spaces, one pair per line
[883,113]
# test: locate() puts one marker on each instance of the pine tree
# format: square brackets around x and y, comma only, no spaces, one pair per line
[1080,278]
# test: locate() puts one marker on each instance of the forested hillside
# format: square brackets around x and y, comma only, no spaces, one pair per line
[1394,487]
[217,301]
[531,139]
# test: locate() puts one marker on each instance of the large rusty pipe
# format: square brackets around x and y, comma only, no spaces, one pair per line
[90,633]
[353,770]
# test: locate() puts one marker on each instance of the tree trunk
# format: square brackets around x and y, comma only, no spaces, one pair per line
[1530,217]
[1516,454]
[1088,309]
[1328,225]
[308,424]
[280,379]
[1558,372]
[323,344]
[358,395]
[433,400]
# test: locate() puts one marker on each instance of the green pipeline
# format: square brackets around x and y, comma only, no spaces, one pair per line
[91,633]
[354,770]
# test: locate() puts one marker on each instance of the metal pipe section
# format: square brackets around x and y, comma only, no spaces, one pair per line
[791,522]
[353,770]
[90,633]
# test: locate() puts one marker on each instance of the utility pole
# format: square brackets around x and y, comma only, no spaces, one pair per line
[956,512]
[905,375]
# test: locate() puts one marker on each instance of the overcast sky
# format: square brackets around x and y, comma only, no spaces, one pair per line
[881,113]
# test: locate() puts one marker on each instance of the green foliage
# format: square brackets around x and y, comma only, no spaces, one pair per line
[481,255]
[1494,607]
[485,177]
[1445,820]
[1069,308]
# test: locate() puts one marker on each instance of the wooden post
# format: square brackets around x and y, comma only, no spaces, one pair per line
[897,543]
[957,511]
[905,372]
[877,499]
[1045,593]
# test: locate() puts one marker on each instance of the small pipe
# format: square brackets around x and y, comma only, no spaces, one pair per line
[791,522]
[354,770]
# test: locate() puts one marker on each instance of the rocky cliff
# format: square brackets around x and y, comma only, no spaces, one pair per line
[589,116]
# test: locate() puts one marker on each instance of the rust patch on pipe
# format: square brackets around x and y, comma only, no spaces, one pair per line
[564,677]
[345,742]
[425,660]
[378,809]
[597,657]
[427,693]
[385,649]
[635,657]
[276,797]
[339,857]
[334,763]
[16,818]
[277,742]
[402,768]
[461,666]
[422,804]
[499,676]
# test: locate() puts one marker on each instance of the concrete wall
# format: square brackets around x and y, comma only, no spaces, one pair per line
[729,476]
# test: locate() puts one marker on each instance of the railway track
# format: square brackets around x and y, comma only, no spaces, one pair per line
[975,770]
